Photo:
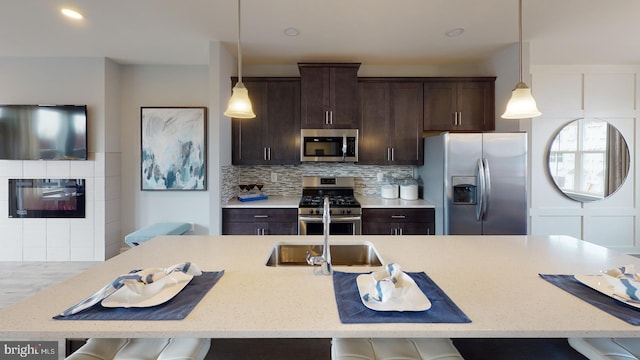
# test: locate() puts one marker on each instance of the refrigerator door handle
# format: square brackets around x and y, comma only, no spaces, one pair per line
[480,178]
[486,189]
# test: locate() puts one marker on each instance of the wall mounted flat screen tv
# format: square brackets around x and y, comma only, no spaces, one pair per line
[43,132]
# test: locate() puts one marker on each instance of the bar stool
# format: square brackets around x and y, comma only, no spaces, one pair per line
[387,349]
[143,349]
[607,348]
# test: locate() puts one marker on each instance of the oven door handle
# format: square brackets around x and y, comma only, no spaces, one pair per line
[333,219]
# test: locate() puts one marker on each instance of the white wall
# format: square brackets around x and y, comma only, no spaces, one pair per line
[221,66]
[505,66]
[564,93]
[57,81]
[112,161]
[148,86]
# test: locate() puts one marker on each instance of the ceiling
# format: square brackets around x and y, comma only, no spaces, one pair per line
[374,32]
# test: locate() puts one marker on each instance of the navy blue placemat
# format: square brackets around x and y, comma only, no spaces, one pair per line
[352,310]
[175,309]
[603,302]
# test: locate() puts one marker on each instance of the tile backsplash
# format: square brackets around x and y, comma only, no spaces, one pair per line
[289,177]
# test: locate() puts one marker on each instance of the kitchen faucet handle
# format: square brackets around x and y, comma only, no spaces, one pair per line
[312,260]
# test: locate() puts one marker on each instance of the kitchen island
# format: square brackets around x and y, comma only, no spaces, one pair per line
[493,279]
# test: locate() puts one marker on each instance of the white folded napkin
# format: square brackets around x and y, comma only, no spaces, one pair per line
[625,281]
[151,281]
[384,284]
[133,278]
[149,275]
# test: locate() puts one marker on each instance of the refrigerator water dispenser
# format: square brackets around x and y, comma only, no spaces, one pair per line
[464,189]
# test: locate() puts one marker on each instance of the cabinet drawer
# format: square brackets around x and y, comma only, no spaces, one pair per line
[259,215]
[401,215]
[259,228]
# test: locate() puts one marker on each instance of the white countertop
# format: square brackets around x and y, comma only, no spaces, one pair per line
[380,202]
[273,201]
[493,279]
[293,201]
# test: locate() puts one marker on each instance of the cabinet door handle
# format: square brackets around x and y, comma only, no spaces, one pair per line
[393,154]
[263,232]
[400,231]
[268,153]
[260,216]
[398,216]
[326,117]
[264,153]
[460,118]
[331,117]
[388,154]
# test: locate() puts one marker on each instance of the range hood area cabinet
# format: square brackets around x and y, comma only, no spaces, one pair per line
[273,136]
[459,104]
[391,121]
[329,95]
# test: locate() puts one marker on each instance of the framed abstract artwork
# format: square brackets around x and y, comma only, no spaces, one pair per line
[174,148]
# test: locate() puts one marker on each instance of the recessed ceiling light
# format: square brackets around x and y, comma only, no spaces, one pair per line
[455,32]
[71,14]
[291,31]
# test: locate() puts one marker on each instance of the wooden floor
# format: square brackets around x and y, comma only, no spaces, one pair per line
[22,279]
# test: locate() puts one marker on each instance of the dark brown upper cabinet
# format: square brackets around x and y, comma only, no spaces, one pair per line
[391,122]
[273,136]
[329,95]
[459,104]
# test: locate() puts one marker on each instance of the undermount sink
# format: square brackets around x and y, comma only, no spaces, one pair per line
[348,254]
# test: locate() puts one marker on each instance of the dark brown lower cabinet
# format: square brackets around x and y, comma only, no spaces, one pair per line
[259,221]
[398,221]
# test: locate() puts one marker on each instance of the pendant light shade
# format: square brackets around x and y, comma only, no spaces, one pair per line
[239,105]
[522,105]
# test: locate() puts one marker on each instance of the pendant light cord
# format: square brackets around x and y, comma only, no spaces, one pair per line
[519,37]
[239,50]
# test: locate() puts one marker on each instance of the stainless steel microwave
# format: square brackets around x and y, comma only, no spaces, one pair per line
[329,145]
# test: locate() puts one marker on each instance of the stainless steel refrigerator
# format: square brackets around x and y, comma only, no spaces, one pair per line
[478,182]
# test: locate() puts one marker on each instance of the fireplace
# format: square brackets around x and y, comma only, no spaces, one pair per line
[46,198]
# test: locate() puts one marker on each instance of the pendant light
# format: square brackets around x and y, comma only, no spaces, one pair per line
[239,105]
[522,105]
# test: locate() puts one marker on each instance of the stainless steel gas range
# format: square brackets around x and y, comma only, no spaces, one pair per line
[345,210]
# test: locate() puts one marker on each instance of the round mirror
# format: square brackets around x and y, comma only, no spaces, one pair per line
[588,159]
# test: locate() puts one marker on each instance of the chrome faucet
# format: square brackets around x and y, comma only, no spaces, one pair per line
[323,260]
